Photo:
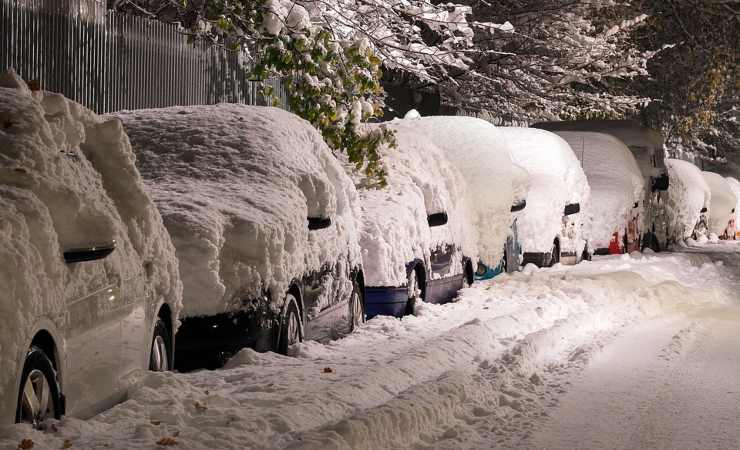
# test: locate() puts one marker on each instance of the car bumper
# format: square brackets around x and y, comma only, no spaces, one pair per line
[539,259]
[385,301]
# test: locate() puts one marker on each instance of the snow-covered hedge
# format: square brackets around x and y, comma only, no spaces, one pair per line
[395,231]
[555,180]
[470,144]
[67,180]
[235,185]
[723,202]
[688,194]
[616,183]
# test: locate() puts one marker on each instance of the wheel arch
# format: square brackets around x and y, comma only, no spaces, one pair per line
[417,266]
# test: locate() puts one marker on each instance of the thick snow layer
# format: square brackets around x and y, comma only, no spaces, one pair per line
[723,202]
[68,180]
[235,185]
[470,144]
[616,183]
[395,231]
[487,369]
[520,183]
[556,179]
[688,194]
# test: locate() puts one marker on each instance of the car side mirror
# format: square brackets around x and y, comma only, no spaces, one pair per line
[437,219]
[572,208]
[516,207]
[91,253]
[661,183]
[318,223]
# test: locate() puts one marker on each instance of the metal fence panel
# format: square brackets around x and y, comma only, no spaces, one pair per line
[108,61]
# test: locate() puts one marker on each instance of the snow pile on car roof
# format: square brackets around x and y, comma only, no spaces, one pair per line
[470,145]
[68,181]
[235,185]
[688,194]
[395,232]
[555,180]
[615,179]
[723,202]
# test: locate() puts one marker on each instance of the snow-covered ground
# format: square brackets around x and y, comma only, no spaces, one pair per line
[628,351]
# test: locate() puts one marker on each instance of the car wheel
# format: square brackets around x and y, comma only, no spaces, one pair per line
[414,291]
[505,263]
[586,256]
[161,353]
[357,307]
[555,254]
[39,397]
[291,331]
[467,280]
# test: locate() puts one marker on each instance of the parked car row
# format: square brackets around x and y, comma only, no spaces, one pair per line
[228,226]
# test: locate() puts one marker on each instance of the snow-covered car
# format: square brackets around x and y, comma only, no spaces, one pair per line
[418,240]
[722,207]
[646,146]
[471,145]
[735,186]
[263,218]
[688,201]
[612,216]
[89,288]
[550,228]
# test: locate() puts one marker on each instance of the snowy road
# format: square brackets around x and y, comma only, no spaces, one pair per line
[635,351]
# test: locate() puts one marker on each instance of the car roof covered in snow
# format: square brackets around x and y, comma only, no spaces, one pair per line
[688,194]
[723,202]
[471,145]
[395,231]
[616,182]
[646,144]
[235,185]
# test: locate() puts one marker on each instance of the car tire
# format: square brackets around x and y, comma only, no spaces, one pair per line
[160,356]
[356,307]
[39,397]
[505,262]
[413,291]
[291,329]
[555,254]
[467,280]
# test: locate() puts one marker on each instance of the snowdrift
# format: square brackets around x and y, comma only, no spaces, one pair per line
[395,231]
[470,145]
[67,180]
[556,179]
[723,202]
[235,185]
[616,183]
[688,194]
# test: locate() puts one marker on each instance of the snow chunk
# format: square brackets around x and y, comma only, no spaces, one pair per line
[688,194]
[235,185]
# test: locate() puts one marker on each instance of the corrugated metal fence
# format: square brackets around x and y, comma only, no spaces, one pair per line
[109,62]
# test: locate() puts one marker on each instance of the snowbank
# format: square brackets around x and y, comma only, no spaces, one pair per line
[723,202]
[616,184]
[421,181]
[556,179]
[470,144]
[67,180]
[688,194]
[235,185]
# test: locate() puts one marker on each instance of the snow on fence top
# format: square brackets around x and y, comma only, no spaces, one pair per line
[615,179]
[421,181]
[555,180]
[68,180]
[235,185]
[471,146]
[723,202]
[688,194]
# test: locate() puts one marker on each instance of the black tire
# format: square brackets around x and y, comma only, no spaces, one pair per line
[586,256]
[467,280]
[505,262]
[356,307]
[555,254]
[413,297]
[38,370]
[291,329]
[160,352]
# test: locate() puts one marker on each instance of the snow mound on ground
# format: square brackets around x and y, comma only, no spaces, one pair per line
[688,194]
[235,185]
[421,181]
[68,180]
[470,145]
[615,179]
[556,179]
[723,202]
